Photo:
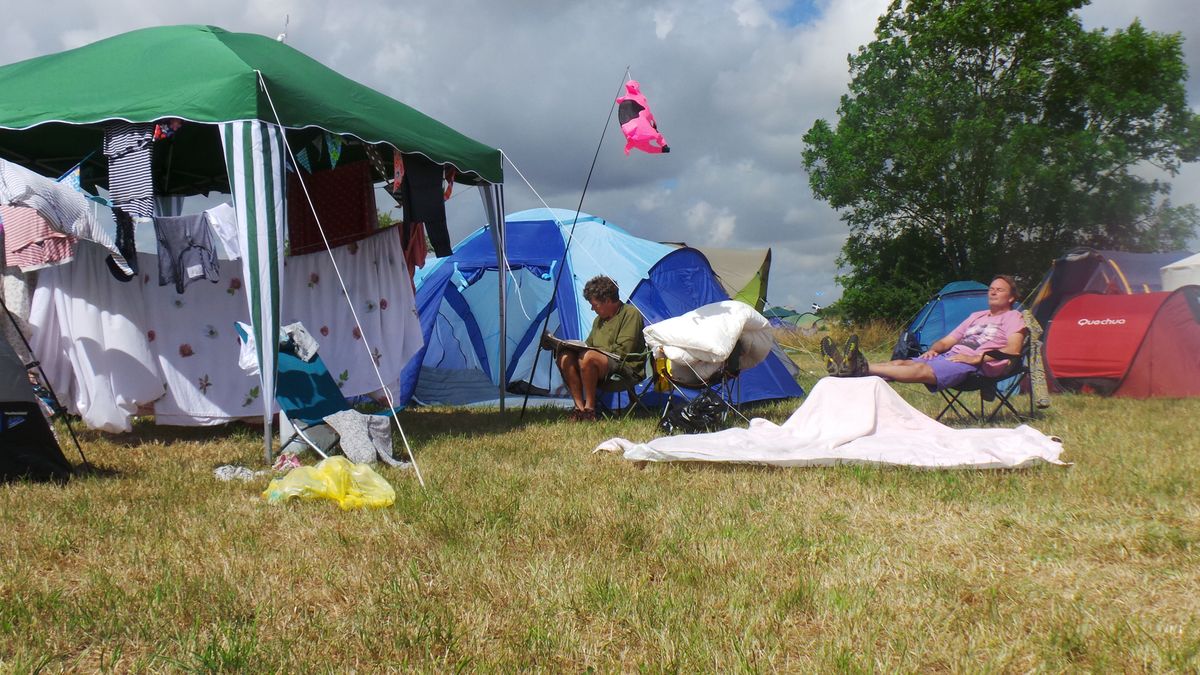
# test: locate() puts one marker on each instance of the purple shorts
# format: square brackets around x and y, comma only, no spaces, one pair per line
[948,373]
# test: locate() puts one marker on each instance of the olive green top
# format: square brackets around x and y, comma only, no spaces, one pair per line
[621,335]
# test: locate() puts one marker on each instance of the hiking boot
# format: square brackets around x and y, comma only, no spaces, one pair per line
[854,364]
[833,360]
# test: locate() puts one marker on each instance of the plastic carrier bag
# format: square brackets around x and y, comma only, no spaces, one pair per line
[351,485]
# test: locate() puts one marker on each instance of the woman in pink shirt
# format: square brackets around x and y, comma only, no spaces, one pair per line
[955,357]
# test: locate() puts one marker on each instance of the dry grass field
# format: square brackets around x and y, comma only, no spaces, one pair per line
[527,551]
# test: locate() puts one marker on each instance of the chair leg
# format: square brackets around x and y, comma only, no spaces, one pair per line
[954,404]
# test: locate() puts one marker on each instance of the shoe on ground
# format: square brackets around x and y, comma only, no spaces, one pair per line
[833,360]
[583,415]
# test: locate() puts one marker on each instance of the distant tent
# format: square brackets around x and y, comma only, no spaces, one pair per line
[1181,273]
[27,446]
[1139,346]
[744,273]
[456,301]
[786,317]
[942,314]
[1087,270]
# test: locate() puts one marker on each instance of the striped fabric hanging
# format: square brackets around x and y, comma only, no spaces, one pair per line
[254,159]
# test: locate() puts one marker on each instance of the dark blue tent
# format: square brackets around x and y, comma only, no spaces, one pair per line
[944,311]
[457,301]
[1087,270]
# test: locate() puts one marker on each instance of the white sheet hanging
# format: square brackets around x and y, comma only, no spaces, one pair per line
[88,331]
[377,280]
[853,421]
[197,349]
[111,347]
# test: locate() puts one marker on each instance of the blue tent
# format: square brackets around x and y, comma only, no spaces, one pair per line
[457,298]
[948,308]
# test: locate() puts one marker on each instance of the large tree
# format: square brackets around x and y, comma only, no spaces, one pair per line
[981,136]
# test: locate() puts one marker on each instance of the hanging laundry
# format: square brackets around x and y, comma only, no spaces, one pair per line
[451,172]
[167,128]
[397,170]
[424,201]
[223,220]
[130,179]
[30,243]
[88,332]
[416,248]
[185,251]
[65,209]
[345,207]
[126,239]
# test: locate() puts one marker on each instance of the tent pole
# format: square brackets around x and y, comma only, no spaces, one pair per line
[567,247]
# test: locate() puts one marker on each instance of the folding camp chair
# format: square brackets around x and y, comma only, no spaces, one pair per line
[1002,389]
[307,393]
[625,381]
[724,382]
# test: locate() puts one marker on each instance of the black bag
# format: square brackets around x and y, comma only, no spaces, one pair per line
[702,414]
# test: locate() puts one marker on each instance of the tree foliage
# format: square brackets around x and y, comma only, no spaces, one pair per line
[981,136]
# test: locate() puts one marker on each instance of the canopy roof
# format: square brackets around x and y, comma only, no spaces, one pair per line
[52,106]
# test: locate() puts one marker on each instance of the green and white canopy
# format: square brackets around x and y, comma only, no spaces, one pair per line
[243,97]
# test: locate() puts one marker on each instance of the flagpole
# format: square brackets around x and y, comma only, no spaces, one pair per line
[571,235]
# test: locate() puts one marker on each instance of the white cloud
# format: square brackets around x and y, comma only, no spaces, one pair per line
[733,88]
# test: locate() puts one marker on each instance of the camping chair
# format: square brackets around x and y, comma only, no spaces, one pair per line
[725,383]
[1002,389]
[625,381]
[306,393]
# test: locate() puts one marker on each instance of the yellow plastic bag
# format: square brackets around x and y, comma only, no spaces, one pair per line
[351,485]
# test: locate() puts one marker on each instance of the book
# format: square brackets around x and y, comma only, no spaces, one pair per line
[556,344]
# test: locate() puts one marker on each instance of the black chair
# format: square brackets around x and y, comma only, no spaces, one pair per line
[625,381]
[725,383]
[1002,389]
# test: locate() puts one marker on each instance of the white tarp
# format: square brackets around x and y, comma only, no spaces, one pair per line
[853,421]
[1181,273]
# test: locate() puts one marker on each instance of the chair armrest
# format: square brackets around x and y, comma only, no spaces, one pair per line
[1001,356]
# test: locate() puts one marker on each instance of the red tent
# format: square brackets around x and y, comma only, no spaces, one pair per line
[1140,346]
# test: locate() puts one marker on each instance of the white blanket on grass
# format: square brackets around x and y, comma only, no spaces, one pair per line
[853,421]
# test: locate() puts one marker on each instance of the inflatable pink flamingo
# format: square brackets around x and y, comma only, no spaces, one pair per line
[637,122]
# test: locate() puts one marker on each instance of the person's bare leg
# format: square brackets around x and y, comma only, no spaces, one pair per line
[568,365]
[592,367]
[904,371]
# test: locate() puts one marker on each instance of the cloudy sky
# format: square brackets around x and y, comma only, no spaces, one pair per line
[734,85]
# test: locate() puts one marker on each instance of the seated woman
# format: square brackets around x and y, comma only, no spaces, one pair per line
[615,342]
[953,358]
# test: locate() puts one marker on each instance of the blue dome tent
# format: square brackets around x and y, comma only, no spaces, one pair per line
[457,303]
[944,311]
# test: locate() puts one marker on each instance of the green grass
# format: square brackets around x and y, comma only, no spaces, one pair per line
[527,551]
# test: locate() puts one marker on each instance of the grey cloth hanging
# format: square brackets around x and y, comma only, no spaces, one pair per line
[185,251]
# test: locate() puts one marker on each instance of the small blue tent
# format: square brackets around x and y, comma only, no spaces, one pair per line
[948,308]
[457,303]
